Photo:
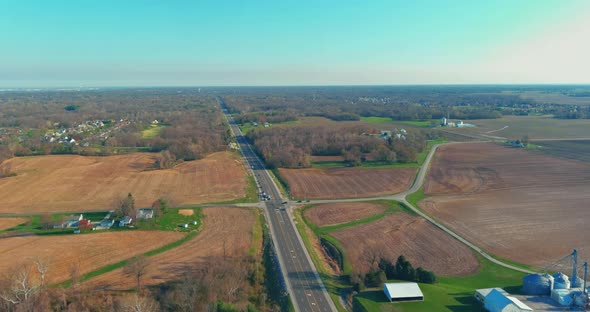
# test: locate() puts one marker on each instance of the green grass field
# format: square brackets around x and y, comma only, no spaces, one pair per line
[381,120]
[152,131]
[449,293]
[34,225]
[171,221]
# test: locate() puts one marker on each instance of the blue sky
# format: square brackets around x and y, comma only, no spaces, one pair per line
[129,43]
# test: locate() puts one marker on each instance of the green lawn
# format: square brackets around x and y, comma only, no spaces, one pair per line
[415,123]
[171,221]
[34,225]
[449,293]
[374,119]
[151,131]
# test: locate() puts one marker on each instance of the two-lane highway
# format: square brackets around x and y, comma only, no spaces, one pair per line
[302,280]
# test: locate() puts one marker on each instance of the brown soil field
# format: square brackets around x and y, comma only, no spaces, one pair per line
[420,242]
[314,183]
[7,223]
[84,183]
[338,213]
[223,228]
[326,158]
[90,251]
[518,204]
[186,212]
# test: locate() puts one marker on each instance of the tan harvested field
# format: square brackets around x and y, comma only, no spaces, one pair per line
[338,213]
[520,205]
[420,242]
[317,183]
[536,127]
[223,228]
[84,183]
[89,251]
[186,212]
[7,223]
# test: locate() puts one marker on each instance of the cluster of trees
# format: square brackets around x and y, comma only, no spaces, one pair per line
[292,147]
[402,269]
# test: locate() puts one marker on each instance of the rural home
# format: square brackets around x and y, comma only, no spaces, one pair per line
[496,301]
[69,222]
[144,214]
[84,224]
[409,291]
[125,221]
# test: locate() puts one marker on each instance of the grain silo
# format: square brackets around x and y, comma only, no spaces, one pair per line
[538,284]
[561,281]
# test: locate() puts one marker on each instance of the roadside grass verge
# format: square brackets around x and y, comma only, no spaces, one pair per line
[334,283]
[257,234]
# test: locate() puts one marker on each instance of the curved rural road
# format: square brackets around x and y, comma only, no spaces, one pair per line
[418,182]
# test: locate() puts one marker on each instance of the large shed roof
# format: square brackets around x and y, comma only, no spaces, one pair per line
[402,290]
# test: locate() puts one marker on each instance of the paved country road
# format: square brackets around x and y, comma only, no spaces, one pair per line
[303,283]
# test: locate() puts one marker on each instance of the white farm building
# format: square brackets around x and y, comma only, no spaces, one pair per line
[403,292]
[498,301]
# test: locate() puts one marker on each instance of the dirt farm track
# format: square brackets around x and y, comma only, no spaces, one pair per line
[84,183]
[518,204]
[332,183]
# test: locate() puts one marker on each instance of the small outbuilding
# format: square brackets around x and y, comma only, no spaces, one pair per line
[144,214]
[496,301]
[396,292]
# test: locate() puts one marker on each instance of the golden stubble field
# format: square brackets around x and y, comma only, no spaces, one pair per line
[86,252]
[226,233]
[85,183]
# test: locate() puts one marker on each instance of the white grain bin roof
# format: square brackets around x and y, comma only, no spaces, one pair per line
[403,290]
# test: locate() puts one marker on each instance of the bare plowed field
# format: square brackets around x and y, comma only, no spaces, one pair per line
[420,242]
[347,182]
[83,183]
[520,205]
[226,231]
[7,223]
[337,213]
[87,251]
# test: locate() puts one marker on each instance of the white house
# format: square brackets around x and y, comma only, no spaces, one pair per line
[144,213]
[403,292]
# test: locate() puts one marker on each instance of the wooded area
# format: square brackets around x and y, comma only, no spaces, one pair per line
[104,122]
[292,147]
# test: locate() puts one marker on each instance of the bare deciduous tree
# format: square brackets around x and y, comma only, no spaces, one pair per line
[137,267]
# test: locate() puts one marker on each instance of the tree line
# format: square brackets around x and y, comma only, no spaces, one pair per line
[292,147]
